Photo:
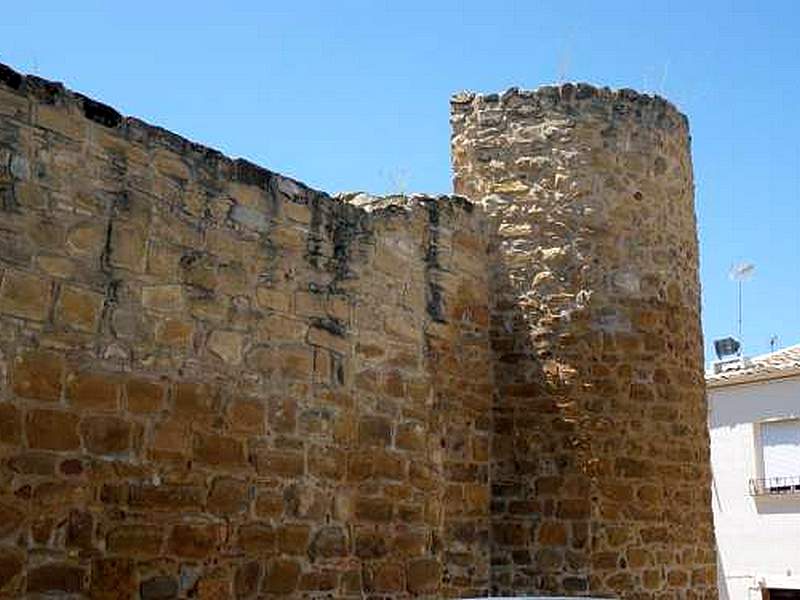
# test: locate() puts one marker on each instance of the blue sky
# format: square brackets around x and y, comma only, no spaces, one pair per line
[352,95]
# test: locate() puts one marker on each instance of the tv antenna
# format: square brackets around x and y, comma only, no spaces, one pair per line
[740,273]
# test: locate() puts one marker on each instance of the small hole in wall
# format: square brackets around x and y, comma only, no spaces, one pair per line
[638,195]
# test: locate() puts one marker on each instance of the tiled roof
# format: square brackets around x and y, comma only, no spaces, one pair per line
[775,365]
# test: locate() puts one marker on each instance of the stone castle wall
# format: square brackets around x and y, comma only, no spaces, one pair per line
[600,469]
[217,382]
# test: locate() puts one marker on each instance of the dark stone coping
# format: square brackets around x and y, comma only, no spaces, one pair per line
[572,94]
[240,170]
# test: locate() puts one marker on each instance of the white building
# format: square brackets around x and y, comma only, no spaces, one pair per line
[754,420]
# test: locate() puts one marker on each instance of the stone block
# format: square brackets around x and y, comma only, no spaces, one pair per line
[246,416]
[60,121]
[79,308]
[113,579]
[161,587]
[273,299]
[194,541]
[218,450]
[10,424]
[326,463]
[135,540]
[33,463]
[411,437]
[245,583]
[324,338]
[163,298]
[269,505]
[128,247]
[24,295]
[87,239]
[293,539]
[12,562]
[56,579]
[165,497]
[296,363]
[329,542]
[170,440]
[228,496]
[144,396]
[371,544]
[93,391]
[175,333]
[282,577]
[11,518]
[38,375]
[279,463]
[52,430]
[320,581]
[424,576]
[375,431]
[227,346]
[388,578]
[257,539]
[296,212]
[106,435]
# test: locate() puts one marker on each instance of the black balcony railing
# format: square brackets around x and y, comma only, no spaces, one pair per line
[775,486]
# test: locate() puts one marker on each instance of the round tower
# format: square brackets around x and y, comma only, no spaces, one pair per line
[600,474]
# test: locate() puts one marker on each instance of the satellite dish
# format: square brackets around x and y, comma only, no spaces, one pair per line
[726,347]
[742,271]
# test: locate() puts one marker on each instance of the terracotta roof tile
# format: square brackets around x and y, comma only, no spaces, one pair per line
[774,365]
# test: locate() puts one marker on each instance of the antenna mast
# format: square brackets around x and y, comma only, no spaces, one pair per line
[740,273]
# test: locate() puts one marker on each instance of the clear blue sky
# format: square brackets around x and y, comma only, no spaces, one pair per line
[351,95]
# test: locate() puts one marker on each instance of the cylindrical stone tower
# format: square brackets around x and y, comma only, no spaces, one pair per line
[600,474]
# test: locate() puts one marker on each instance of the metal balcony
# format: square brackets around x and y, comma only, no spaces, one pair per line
[775,486]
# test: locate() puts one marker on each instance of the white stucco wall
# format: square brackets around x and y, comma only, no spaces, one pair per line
[758,539]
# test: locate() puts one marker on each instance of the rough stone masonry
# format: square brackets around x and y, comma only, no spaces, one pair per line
[216,382]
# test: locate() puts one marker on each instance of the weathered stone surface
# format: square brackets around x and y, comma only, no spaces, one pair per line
[217,381]
[587,192]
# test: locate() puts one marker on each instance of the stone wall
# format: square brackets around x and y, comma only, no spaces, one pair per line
[216,382]
[600,469]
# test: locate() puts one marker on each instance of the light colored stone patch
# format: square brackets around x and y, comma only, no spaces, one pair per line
[163,298]
[227,345]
